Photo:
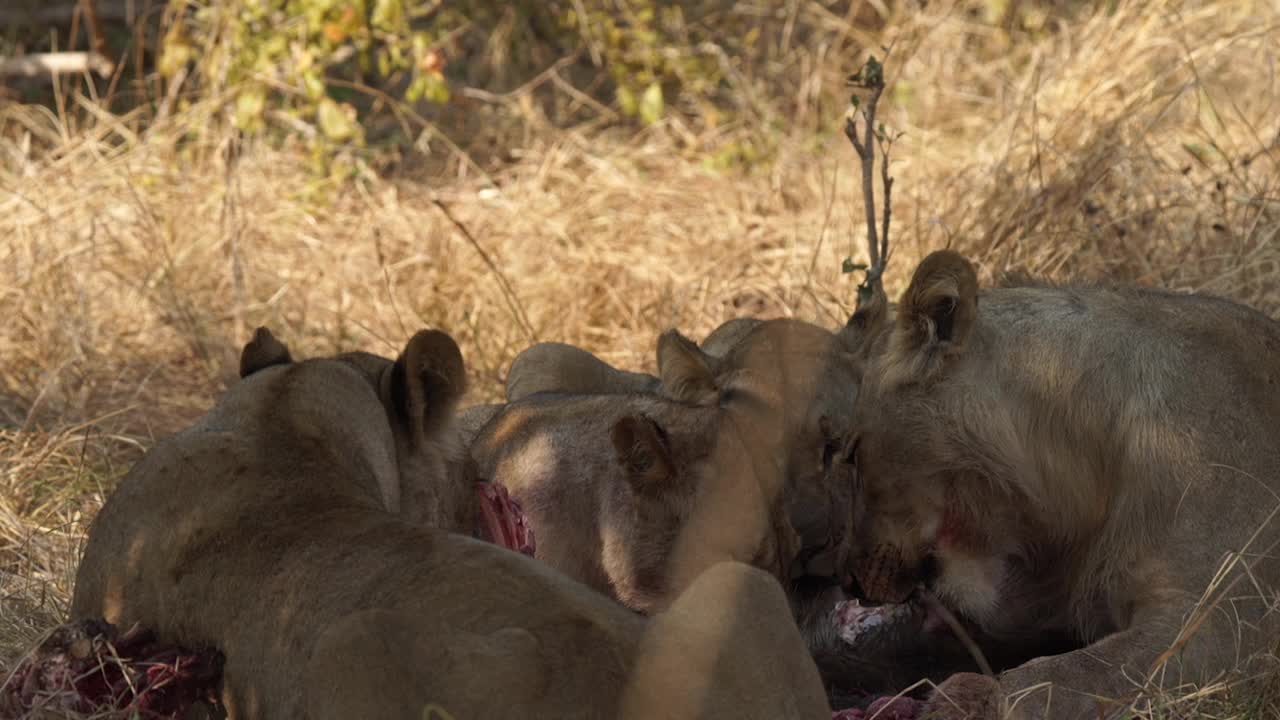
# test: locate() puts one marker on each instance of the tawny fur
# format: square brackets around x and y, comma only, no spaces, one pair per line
[269,530]
[804,379]
[609,483]
[796,374]
[555,367]
[1079,460]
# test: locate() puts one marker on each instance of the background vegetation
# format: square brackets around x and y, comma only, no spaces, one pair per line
[619,166]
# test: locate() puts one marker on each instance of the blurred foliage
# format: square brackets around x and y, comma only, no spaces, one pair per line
[297,65]
[325,71]
[361,82]
[650,51]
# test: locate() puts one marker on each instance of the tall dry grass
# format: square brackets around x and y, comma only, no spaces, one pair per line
[1139,143]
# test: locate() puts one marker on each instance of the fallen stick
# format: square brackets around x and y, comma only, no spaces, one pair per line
[57,63]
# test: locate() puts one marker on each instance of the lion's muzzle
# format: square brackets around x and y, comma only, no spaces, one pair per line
[883,574]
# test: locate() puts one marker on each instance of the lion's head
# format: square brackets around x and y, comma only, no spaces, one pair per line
[667,467]
[927,511]
[786,389]
[419,390]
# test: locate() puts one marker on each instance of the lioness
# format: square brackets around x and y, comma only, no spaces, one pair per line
[563,368]
[555,367]
[609,483]
[1095,461]
[280,528]
[805,373]
[802,377]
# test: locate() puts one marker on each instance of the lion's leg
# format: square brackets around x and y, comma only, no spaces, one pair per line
[391,664]
[1169,645]
[726,647]
[1097,678]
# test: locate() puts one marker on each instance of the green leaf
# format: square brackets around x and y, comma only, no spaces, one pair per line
[627,101]
[873,72]
[651,104]
[416,90]
[337,122]
[849,266]
[388,15]
[437,88]
[176,53]
[313,81]
[250,104]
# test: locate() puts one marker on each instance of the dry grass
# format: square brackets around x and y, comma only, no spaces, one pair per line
[1140,144]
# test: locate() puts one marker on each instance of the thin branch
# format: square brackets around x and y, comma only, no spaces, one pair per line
[958,630]
[403,110]
[887,182]
[867,155]
[97,35]
[508,293]
[864,140]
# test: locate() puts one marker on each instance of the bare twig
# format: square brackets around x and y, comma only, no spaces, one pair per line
[97,35]
[958,630]
[887,182]
[403,111]
[864,140]
[867,156]
[508,293]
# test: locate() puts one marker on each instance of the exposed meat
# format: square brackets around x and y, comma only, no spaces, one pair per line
[87,667]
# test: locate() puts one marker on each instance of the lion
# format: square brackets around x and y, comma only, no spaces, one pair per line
[801,376]
[609,512]
[556,367]
[806,372]
[610,517]
[794,373]
[288,527]
[609,483]
[1095,461]
[721,341]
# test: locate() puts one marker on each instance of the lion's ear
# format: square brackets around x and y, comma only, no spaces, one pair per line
[427,381]
[938,310]
[687,373]
[642,450]
[867,322]
[264,350]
